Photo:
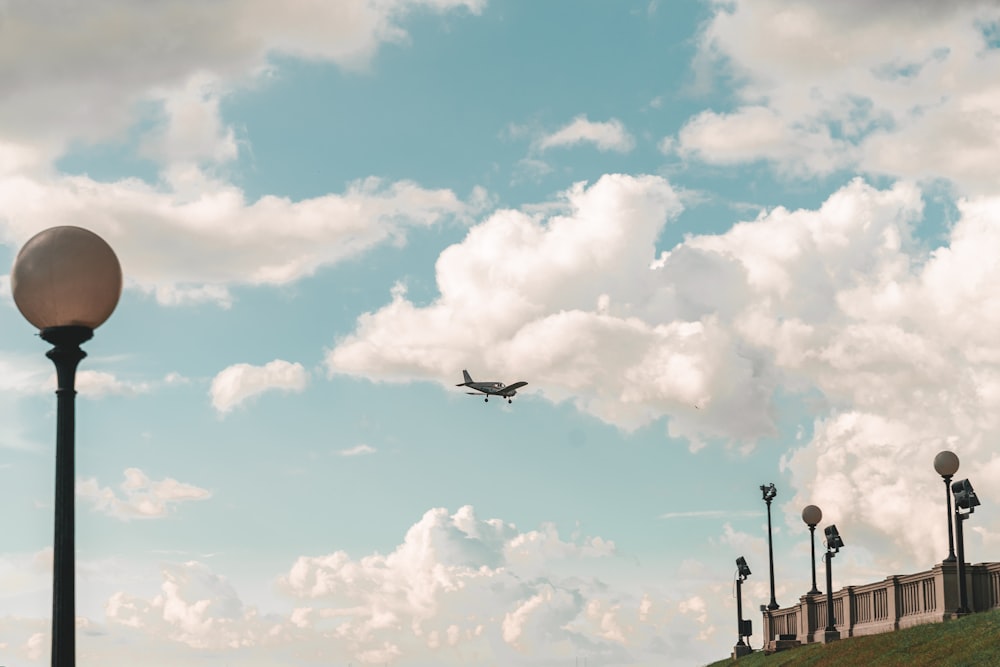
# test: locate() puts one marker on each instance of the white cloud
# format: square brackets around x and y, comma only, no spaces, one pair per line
[885,89]
[608,135]
[357,450]
[191,246]
[240,382]
[49,61]
[96,384]
[142,497]
[572,304]
[759,133]
[449,590]
[895,341]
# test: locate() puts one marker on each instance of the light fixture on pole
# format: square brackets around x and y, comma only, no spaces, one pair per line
[833,545]
[965,499]
[66,281]
[812,515]
[769,492]
[745,628]
[946,465]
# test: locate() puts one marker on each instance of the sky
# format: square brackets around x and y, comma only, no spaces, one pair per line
[726,243]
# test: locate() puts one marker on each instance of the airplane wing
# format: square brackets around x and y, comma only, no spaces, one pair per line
[510,389]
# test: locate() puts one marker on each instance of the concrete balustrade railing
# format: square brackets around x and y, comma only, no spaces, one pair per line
[897,602]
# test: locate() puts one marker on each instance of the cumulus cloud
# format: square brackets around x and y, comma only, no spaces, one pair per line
[573,303]
[821,87]
[195,607]
[238,383]
[453,588]
[141,497]
[609,135]
[893,340]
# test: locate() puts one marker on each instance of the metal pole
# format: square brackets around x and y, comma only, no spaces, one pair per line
[831,622]
[739,611]
[773,604]
[66,355]
[812,540]
[951,539]
[963,601]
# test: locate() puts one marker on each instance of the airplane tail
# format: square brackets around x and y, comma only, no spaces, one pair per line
[468,379]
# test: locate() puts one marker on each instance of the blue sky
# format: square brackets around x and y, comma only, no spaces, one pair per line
[725,243]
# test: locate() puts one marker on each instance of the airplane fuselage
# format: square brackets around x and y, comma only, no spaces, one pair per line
[491,388]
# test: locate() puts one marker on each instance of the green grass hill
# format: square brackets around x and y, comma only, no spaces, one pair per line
[973,641]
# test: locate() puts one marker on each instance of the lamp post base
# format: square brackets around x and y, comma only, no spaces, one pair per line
[741,650]
[830,636]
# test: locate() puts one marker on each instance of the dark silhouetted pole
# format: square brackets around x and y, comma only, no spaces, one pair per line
[963,600]
[66,355]
[833,545]
[965,499]
[769,492]
[831,622]
[742,627]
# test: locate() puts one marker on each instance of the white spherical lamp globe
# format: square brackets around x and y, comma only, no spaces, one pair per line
[946,463]
[66,276]
[812,515]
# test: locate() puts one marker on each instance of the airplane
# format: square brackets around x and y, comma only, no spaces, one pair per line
[490,388]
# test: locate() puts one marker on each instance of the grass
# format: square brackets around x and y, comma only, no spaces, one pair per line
[972,641]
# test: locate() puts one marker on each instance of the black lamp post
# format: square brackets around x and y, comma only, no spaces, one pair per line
[833,545]
[769,492]
[946,465]
[742,627]
[66,281]
[812,515]
[965,499]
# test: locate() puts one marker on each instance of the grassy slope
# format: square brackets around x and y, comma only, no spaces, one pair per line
[973,641]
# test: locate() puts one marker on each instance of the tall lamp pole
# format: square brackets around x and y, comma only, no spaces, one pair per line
[946,465]
[66,281]
[833,545]
[965,499]
[769,492]
[812,515]
[744,628]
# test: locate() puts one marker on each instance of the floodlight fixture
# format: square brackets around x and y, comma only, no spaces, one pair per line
[769,492]
[833,540]
[965,496]
[744,569]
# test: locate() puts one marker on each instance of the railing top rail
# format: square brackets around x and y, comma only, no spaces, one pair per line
[907,578]
[874,586]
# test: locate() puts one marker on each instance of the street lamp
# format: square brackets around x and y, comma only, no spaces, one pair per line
[812,515]
[965,499]
[946,465]
[769,492]
[66,281]
[833,545]
[743,627]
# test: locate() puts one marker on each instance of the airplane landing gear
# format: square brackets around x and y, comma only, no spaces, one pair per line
[486,400]
[509,401]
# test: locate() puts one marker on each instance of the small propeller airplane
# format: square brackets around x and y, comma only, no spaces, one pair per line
[490,388]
